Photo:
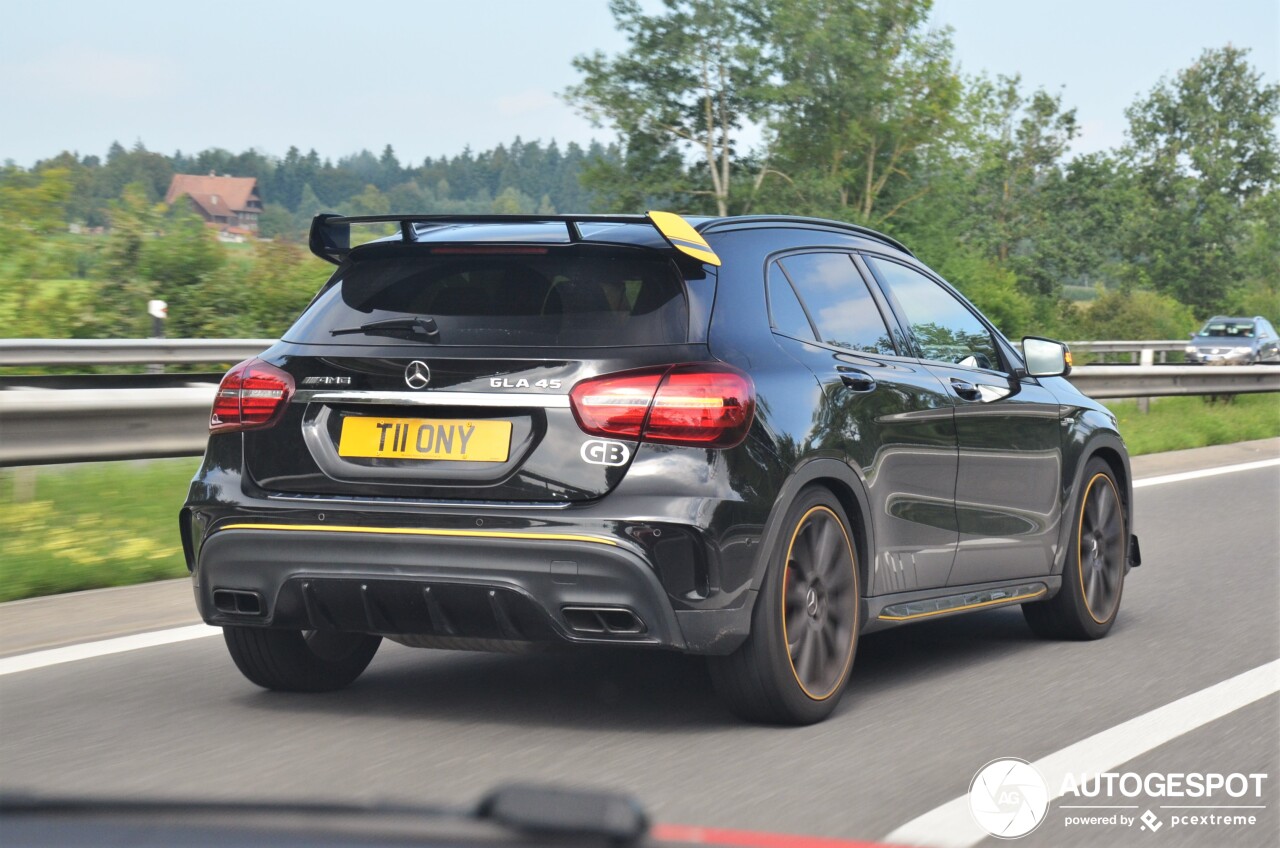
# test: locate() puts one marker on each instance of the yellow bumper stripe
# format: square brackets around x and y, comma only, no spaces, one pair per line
[425,531]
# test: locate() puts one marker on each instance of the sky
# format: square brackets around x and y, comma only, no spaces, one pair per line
[431,77]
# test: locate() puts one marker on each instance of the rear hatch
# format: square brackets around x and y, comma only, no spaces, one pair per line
[442,371]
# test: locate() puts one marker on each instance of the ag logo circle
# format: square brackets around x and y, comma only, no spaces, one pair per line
[1008,798]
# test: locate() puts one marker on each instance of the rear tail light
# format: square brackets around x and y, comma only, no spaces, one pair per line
[702,405]
[252,395]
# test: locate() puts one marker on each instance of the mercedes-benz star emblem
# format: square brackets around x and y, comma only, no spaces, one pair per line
[417,374]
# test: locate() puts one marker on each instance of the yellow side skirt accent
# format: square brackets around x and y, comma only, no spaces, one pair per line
[1009,600]
[425,531]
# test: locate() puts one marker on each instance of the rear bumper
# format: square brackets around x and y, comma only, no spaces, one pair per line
[513,587]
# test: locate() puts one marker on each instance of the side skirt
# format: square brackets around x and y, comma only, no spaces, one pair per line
[884,611]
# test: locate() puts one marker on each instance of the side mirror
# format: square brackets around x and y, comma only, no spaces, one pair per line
[1045,357]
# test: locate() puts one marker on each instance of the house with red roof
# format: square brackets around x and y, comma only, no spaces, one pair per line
[231,204]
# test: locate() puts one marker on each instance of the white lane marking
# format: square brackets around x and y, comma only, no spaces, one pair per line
[104,647]
[952,826]
[1204,472]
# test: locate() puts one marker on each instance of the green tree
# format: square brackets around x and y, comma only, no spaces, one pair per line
[368,202]
[1133,315]
[276,222]
[124,290]
[512,201]
[175,260]
[260,297]
[1021,141]
[689,82]
[32,209]
[863,88]
[1204,149]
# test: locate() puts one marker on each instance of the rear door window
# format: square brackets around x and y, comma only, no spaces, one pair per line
[527,296]
[839,302]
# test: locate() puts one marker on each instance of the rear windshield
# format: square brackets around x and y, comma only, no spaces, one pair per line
[566,297]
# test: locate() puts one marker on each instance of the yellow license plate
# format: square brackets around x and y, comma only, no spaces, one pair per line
[425,438]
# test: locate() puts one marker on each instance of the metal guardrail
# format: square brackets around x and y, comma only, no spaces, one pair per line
[80,425]
[1136,381]
[32,352]
[1128,347]
[1145,351]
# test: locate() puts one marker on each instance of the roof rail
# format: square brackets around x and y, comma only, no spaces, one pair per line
[330,237]
[857,229]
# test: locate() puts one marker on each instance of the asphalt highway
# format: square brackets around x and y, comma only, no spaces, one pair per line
[930,704]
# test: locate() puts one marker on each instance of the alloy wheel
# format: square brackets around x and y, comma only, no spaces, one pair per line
[819,602]
[1101,548]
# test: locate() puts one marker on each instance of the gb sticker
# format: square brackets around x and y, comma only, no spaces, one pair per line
[600,452]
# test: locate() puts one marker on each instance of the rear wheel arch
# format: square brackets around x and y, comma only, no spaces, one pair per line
[847,487]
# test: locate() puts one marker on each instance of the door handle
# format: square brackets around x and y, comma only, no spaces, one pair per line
[855,380]
[965,389]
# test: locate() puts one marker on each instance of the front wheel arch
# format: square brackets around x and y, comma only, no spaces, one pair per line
[1107,446]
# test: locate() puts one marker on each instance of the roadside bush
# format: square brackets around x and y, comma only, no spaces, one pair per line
[1133,315]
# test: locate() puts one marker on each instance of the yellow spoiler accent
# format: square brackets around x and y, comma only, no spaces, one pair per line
[683,237]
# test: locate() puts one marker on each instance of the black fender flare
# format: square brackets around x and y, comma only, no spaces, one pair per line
[1099,440]
[809,471]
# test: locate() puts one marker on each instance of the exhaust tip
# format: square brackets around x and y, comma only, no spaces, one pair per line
[237,602]
[603,621]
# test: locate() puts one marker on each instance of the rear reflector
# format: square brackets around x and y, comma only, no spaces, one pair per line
[703,405]
[253,394]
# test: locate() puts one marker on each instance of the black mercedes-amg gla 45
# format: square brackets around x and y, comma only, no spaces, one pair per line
[753,438]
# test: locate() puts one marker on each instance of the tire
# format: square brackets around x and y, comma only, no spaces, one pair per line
[1093,580]
[811,586]
[300,661]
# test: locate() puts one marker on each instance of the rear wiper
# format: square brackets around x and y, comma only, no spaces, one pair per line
[422,327]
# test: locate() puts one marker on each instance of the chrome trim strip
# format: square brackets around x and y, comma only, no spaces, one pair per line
[463,506]
[430,398]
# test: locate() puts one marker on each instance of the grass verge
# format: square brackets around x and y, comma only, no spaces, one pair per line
[1177,423]
[70,527]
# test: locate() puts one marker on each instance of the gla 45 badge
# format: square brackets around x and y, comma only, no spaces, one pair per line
[522,383]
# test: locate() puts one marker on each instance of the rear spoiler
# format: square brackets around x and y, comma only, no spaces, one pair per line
[331,234]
